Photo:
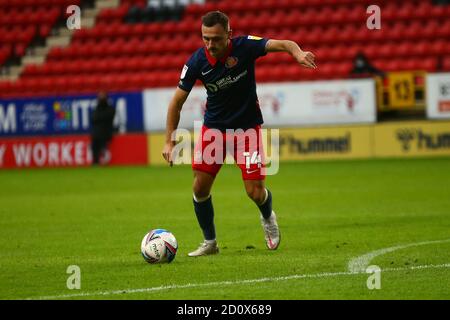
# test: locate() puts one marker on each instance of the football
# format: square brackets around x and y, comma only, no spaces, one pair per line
[159,246]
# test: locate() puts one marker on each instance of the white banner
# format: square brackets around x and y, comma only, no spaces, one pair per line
[438,96]
[156,102]
[282,104]
[320,102]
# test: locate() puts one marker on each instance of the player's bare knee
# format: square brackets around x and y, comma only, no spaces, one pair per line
[202,184]
[200,190]
[256,193]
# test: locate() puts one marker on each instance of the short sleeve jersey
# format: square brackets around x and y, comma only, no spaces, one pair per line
[230,83]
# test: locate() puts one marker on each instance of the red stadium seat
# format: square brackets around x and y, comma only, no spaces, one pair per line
[5,86]
[430,30]
[30,70]
[91,83]
[355,34]
[331,34]
[439,47]
[352,51]
[422,10]
[62,67]
[343,69]
[61,84]
[395,30]
[444,29]
[307,74]
[438,11]
[421,48]
[262,74]
[403,49]
[323,16]
[389,12]
[446,64]
[405,11]
[326,71]
[20,49]
[429,64]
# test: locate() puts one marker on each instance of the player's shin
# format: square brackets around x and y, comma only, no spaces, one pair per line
[205,215]
[266,206]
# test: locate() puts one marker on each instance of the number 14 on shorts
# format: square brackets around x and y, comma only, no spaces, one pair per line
[254,158]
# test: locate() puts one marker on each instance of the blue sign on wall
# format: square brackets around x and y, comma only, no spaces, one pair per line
[67,115]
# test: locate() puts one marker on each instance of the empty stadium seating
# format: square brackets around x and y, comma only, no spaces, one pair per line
[24,21]
[116,55]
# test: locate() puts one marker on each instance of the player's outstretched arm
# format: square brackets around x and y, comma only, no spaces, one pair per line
[173,118]
[305,58]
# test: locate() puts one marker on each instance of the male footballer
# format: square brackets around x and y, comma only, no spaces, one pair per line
[226,67]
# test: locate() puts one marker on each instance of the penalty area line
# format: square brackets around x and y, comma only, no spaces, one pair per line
[231,283]
[359,264]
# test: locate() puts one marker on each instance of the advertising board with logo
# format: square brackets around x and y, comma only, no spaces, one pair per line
[401,90]
[438,96]
[156,102]
[325,143]
[282,104]
[70,151]
[66,115]
[397,139]
[412,139]
[315,103]
[297,144]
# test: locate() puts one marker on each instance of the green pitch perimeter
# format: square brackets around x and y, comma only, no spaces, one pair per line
[329,213]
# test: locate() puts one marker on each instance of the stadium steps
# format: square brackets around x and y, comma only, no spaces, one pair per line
[13,73]
[61,38]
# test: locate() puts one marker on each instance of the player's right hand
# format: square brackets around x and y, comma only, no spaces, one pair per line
[167,153]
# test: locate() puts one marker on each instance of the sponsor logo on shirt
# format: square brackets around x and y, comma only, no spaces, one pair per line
[225,82]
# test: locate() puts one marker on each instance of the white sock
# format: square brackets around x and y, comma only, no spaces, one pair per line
[203,199]
[265,198]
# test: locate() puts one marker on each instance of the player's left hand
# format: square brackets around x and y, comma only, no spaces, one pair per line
[167,153]
[306,59]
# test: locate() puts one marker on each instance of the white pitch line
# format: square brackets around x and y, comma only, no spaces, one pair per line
[230,283]
[359,264]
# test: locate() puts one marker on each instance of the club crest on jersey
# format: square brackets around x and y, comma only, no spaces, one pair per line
[231,62]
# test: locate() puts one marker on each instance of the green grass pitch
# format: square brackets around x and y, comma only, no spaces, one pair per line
[329,212]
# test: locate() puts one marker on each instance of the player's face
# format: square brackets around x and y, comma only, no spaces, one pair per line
[216,40]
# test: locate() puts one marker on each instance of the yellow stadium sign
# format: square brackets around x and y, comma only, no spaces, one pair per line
[399,139]
[325,143]
[412,139]
[156,143]
[401,90]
